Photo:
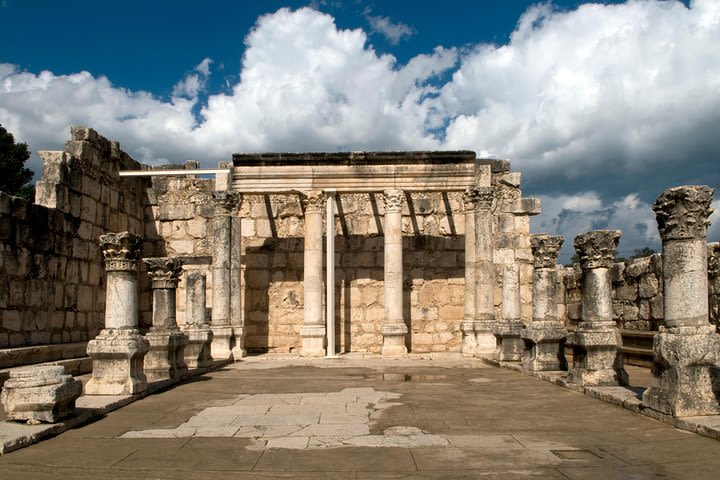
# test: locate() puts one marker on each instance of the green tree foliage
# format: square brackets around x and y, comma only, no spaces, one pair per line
[14,177]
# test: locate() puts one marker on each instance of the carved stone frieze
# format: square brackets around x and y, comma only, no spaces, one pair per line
[121,251]
[393,200]
[682,212]
[164,271]
[596,249]
[545,249]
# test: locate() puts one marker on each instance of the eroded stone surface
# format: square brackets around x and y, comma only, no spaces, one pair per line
[40,394]
[301,421]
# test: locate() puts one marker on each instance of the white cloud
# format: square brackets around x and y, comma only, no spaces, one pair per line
[602,107]
[392,31]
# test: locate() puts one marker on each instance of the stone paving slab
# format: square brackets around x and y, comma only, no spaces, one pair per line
[444,419]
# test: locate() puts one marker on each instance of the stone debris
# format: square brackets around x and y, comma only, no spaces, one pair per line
[40,394]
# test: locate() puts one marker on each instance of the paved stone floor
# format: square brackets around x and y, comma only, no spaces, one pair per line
[368,419]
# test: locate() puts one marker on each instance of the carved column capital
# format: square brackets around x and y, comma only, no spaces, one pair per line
[596,249]
[682,212]
[713,259]
[545,249]
[485,198]
[470,198]
[164,271]
[314,201]
[121,251]
[393,200]
[226,203]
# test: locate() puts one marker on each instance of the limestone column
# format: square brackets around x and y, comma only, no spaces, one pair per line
[544,337]
[467,326]
[225,204]
[118,350]
[236,314]
[312,331]
[596,343]
[686,371]
[197,353]
[484,273]
[165,359]
[393,327]
[713,258]
[508,328]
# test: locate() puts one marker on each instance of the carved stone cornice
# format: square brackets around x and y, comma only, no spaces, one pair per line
[596,249]
[485,198]
[314,201]
[393,200]
[545,249]
[164,271]
[121,251]
[682,212]
[226,203]
[470,198]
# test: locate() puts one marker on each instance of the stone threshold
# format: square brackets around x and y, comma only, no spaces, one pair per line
[627,398]
[16,435]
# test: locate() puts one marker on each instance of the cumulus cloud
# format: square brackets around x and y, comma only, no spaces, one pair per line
[392,31]
[601,107]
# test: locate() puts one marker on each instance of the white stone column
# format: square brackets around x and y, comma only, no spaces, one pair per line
[165,358]
[393,327]
[118,350]
[467,327]
[508,328]
[545,335]
[236,305]
[596,343]
[484,273]
[312,331]
[685,378]
[225,205]
[197,353]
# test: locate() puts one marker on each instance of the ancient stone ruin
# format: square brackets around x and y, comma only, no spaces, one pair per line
[318,254]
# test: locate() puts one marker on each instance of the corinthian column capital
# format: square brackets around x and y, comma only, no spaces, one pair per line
[682,212]
[314,201]
[164,271]
[545,249]
[596,249]
[393,200]
[226,202]
[121,251]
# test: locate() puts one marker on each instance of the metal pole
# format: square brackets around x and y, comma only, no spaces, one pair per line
[330,274]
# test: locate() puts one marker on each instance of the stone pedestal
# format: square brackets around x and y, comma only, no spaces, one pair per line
[596,343]
[484,273]
[686,370]
[508,328]
[197,352]
[312,330]
[467,326]
[544,337]
[165,357]
[225,205]
[118,350]
[40,394]
[393,328]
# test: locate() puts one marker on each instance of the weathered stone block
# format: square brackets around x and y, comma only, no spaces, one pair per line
[40,394]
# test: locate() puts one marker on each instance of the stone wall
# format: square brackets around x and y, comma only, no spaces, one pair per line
[51,270]
[637,291]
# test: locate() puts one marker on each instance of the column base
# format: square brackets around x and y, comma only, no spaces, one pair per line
[41,393]
[238,349]
[544,347]
[597,358]
[197,352]
[394,340]
[221,346]
[469,343]
[165,358]
[686,373]
[117,356]
[509,344]
[485,340]
[313,340]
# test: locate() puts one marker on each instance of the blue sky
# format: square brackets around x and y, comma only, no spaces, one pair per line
[601,106]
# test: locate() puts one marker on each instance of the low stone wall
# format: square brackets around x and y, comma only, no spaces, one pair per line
[637,291]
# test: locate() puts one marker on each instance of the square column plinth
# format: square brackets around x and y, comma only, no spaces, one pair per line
[117,363]
[165,357]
